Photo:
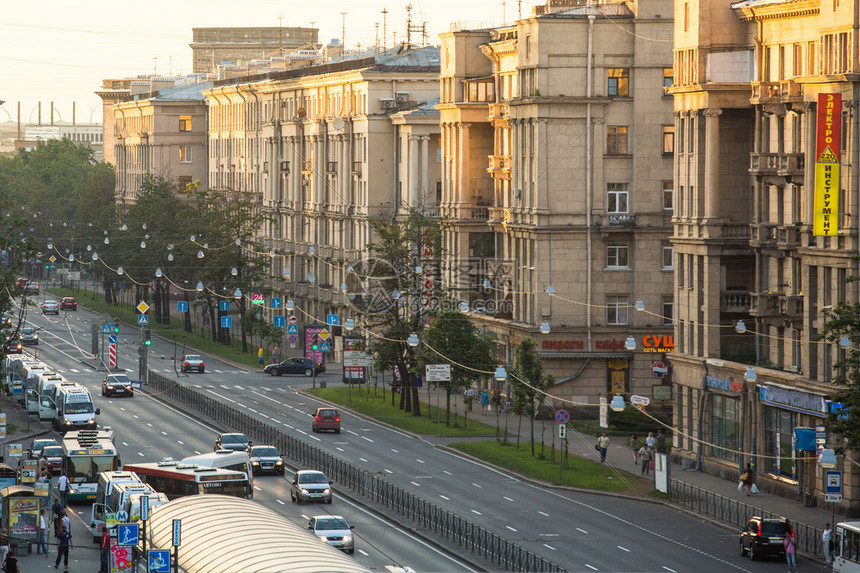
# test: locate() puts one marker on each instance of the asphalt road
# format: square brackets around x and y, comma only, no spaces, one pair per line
[579,531]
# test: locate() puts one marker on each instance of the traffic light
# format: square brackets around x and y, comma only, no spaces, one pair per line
[116,329]
[316,343]
[147,337]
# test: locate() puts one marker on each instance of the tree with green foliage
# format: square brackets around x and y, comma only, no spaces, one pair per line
[841,326]
[453,338]
[529,383]
[15,250]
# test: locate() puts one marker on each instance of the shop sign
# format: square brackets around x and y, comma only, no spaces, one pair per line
[618,363]
[563,345]
[726,385]
[658,343]
[793,399]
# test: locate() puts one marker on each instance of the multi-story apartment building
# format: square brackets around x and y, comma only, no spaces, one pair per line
[164,135]
[753,275]
[212,46]
[326,149]
[557,143]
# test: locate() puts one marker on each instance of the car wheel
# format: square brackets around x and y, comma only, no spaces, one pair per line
[278,372]
[743,551]
[751,553]
[202,370]
[308,372]
[337,431]
[272,372]
[281,471]
[350,551]
[328,501]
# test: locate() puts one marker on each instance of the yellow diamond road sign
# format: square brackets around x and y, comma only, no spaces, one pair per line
[324,334]
[142,307]
[52,258]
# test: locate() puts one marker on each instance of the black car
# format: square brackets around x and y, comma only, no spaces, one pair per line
[764,537]
[235,442]
[114,384]
[14,347]
[29,337]
[266,459]
[294,366]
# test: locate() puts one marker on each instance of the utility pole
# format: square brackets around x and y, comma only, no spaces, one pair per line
[343,31]
[384,28]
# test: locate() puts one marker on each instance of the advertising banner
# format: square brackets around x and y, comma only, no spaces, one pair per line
[828,141]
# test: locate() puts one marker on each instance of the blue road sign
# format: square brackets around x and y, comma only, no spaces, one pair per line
[127,534]
[562,417]
[224,305]
[293,329]
[53,266]
[107,328]
[226,321]
[112,339]
[276,303]
[332,320]
[121,516]
[182,306]
[325,346]
[158,561]
[142,319]
[293,339]
[833,481]
[279,321]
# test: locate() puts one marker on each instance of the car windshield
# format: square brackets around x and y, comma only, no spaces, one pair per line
[329,523]
[233,439]
[774,528]
[312,478]
[119,379]
[78,408]
[191,357]
[264,452]
[52,452]
[28,331]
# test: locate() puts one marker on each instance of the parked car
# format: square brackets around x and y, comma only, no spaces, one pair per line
[266,459]
[334,530]
[50,307]
[54,455]
[295,366]
[763,537]
[68,303]
[114,384]
[192,362]
[39,444]
[326,419]
[31,287]
[29,337]
[235,442]
[310,485]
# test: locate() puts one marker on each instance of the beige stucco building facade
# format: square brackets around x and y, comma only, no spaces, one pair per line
[753,281]
[211,47]
[557,140]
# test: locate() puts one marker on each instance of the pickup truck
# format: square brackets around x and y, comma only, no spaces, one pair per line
[192,362]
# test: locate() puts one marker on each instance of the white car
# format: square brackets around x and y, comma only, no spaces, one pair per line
[334,530]
[50,307]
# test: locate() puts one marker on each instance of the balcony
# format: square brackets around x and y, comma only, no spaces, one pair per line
[790,91]
[763,235]
[791,165]
[791,306]
[735,301]
[765,92]
[481,213]
[764,304]
[499,111]
[788,237]
[764,163]
[620,221]
[500,166]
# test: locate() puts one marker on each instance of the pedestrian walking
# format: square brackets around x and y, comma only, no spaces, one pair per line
[748,479]
[43,464]
[275,355]
[104,551]
[260,355]
[635,444]
[790,552]
[470,397]
[57,511]
[497,400]
[4,544]
[63,488]
[42,547]
[64,522]
[10,564]
[64,544]
[661,442]
[485,401]
[650,441]
[645,459]
[827,543]
[602,446]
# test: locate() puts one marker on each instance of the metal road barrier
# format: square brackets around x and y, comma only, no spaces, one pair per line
[477,539]
[737,513]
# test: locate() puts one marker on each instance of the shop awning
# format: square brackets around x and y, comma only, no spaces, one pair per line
[585,355]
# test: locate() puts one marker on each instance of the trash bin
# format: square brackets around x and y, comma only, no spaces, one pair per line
[22,548]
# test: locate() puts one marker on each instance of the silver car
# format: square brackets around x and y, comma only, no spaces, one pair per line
[50,307]
[266,459]
[192,362]
[334,530]
[310,485]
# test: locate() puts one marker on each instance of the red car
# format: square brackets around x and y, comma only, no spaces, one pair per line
[326,419]
[54,455]
[68,303]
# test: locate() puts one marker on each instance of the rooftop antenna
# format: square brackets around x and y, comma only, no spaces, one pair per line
[384,28]
[155,66]
[376,25]
[414,28]
[280,38]
[519,9]
[343,31]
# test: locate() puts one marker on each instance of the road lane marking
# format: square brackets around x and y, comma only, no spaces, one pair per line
[476,485]
[444,497]
[75,370]
[281,502]
[397,452]
[362,459]
[447,472]
[582,530]
[180,442]
[388,471]
[237,387]
[476,512]
[591,567]
[670,570]
[419,461]
[623,548]
[163,432]
[416,484]
[140,454]
[508,498]
[224,386]
[549,546]
[511,528]
[365,553]
[219,371]
[366,438]
[125,444]
[543,514]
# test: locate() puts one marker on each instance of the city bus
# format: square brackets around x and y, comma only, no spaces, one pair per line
[228,460]
[176,479]
[846,557]
[87,453]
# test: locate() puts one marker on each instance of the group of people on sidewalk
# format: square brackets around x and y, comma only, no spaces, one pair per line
[643,450]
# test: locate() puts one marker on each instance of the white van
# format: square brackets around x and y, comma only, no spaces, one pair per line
[108,481]
[33,395]
[26,369]
[132,503]
[74,408]
[44,388]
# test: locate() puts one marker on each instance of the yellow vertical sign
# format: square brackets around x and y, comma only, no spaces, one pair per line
[827,153]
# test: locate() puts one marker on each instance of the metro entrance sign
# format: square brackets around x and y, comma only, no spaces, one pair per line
[659,370]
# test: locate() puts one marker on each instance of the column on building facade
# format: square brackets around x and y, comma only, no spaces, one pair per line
[412,193]
[712,163]
[516,158]
[462,155]
[809,173]
[425,193]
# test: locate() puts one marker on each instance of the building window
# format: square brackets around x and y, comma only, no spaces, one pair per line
[616,310]
[184,154]
[668,310]
[668,139]
[616,140]
[668,197]
[668,79]
[617,255]
[725,427]
[686,16]
[617,198]
[184,123]
[619,81]
[778,431]
[668,257]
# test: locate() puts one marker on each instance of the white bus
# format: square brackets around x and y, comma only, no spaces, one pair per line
[228,460]
[176,479]
[846,558]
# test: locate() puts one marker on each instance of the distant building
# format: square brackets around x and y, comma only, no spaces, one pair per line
[89,135]
[214,46]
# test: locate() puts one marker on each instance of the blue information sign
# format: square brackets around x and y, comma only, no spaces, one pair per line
[182,306]
[276,303]
[279,321]
[293,329]
[833,481]
[142,319]
[107,328]
[127,534]
[325,347]
[158,561]
[332,320]
[112,339]
[226,321]
[224,305]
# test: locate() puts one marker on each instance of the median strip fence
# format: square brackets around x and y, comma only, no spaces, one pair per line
[736,513]
[477,539]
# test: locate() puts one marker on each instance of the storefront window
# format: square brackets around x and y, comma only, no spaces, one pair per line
[724,427]
[779,425]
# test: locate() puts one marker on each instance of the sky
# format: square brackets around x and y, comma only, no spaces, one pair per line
[60,50]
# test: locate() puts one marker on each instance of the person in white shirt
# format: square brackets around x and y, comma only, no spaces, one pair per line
[63,488]
[650,441]
[42,548]
[827,544]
